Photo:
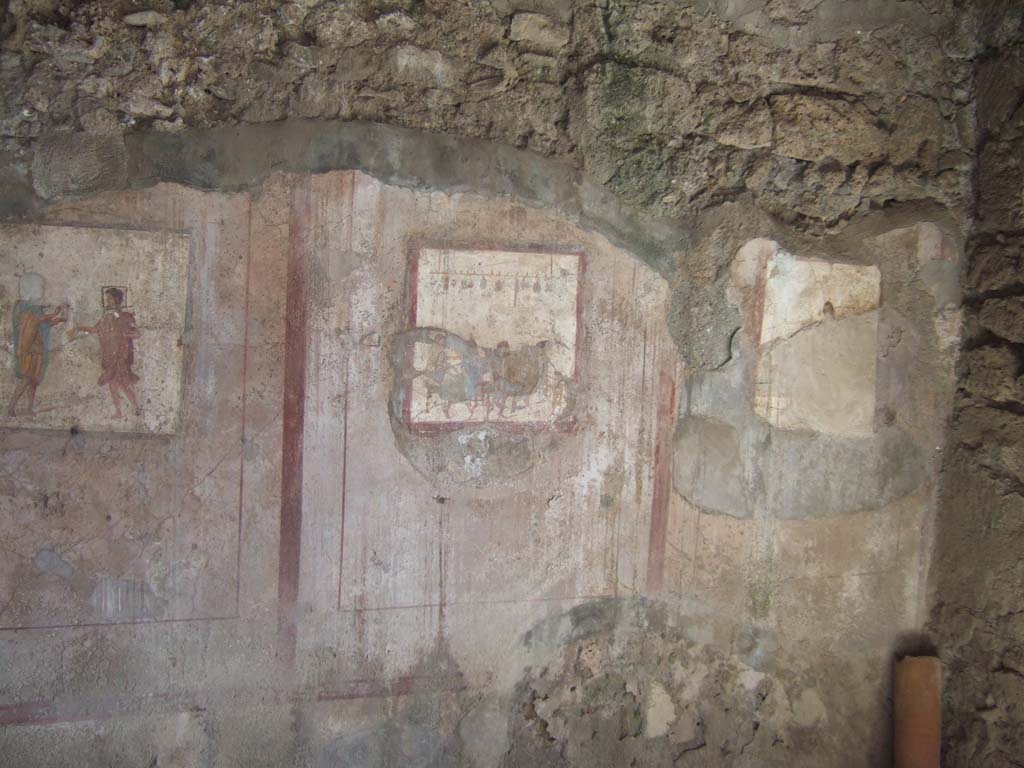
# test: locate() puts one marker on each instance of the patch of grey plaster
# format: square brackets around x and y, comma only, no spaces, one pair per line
[68,165]
[833,474]
[483,731]
[147,739]
[729,461]
[703,323]
[391,743]
[48,561]
[239,157]
[815,475]
[708,465]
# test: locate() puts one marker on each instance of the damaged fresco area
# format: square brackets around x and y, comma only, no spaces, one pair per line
[489,365]
[472,413]
[93,326]
[822,382]
[454,381]
[120,476]
[818,330]
[682,547]
[635,682]
[486,453]
[505,337]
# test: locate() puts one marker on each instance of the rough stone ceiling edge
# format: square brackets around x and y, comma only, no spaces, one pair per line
[238,157]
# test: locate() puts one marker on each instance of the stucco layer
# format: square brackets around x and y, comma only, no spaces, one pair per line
[363,582]
[699,544]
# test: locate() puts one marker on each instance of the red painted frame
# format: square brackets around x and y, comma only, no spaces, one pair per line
[414,249]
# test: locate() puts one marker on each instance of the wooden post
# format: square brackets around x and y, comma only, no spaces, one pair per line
[917,712]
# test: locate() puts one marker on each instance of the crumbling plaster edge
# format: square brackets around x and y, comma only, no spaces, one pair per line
[238,158]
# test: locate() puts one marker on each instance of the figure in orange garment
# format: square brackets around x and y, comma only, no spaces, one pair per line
[117,332]
[32,323]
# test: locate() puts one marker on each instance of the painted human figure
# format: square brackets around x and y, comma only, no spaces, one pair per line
[32,323]
[117,332]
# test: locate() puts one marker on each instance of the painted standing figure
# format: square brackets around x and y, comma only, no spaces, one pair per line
[32,323]
[117,332]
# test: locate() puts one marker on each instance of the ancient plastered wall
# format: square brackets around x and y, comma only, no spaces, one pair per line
[730,556]
[298,303]
[735,121]
[410,535]
[137,517]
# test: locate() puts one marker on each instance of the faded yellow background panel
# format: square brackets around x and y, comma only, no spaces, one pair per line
[75,264]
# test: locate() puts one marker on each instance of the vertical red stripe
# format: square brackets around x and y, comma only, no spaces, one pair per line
[662,481]
[245,382]
[295,338]
[344,483]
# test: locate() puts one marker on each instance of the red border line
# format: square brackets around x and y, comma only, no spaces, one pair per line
[295,339]
[380,689]
[344,479]
[241,442]
[662,481]
[115,624]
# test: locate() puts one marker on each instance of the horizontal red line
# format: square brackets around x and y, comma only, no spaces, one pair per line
[449,604]
[105,708]
[107,624]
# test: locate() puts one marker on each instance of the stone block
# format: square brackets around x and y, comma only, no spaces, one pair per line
[538,32]
[424,67]
[813,128]
[144,19]
[1004,317]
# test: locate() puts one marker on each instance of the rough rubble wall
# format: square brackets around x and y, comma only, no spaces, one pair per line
[978,619]
[816,109]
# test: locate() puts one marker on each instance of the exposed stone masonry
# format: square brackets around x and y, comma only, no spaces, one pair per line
[816,110]
[978,620]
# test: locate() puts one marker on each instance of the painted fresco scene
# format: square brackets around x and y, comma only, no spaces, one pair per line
[92,328]
[495,338]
